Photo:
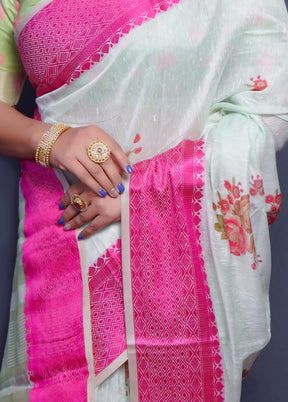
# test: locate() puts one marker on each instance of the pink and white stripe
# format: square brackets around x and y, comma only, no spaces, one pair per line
[172,338]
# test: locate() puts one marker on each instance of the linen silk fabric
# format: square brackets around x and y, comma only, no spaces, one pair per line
[172,79]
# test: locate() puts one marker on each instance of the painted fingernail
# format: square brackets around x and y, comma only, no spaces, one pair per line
[102,192]
[67,226]
[129,169]
[60,221]
[121,188]
[114,193]
[80,237]
[61,206]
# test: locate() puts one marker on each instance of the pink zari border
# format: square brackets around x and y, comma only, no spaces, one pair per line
[69,37]
[57,365]
[173,346]
[107,312]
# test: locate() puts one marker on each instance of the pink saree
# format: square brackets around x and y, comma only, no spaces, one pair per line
[167,291]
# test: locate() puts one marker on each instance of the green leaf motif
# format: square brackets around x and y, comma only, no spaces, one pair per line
[220,227]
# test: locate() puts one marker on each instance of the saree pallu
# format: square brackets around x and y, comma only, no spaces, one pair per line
[180,288]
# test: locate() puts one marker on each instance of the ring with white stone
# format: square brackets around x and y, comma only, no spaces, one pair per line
[98,151]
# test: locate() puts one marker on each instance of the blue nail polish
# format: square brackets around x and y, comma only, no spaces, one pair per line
[121,188]
[61,206]
[102,192]
[129,169]
[60,221]
[80,237]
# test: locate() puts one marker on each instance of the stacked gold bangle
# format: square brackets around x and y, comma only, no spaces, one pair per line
[46,143]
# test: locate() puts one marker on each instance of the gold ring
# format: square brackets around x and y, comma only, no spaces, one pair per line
[78,203]
[98,151]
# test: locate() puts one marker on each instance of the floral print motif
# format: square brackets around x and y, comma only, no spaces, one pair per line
[232,213]
[233,218]
[259,84]
[236,235]
[136,140]
[2,59]
[135,148]
[274,202]
[256,186]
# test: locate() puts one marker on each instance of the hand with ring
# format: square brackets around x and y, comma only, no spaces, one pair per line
[94,157]
[81,205]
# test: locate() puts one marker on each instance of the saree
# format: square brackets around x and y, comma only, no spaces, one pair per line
[179,289]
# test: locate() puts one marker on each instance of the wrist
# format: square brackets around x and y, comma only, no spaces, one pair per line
[47,142]
[36,132]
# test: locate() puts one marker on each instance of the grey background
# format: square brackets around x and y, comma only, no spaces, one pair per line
[268,380]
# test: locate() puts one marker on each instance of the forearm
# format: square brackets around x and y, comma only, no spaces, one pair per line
[19,135]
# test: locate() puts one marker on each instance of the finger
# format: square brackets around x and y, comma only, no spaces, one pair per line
[96,224]
[65,201]
[85,177]
[112,171]
[80,219]
[69,213]
[102,178]
[120,157]
[76,188]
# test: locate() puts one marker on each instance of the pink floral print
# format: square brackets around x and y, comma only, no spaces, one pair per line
[274,202]
[233,216]
[136,149]
[259,84]
[256,186]
[233,219]
[236,235]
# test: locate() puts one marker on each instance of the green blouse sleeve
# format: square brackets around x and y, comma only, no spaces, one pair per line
[12,74]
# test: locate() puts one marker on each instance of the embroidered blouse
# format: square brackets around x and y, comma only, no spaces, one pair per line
[12,74]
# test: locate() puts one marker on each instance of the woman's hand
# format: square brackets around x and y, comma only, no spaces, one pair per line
[69,153]
[101,211]
[20,136]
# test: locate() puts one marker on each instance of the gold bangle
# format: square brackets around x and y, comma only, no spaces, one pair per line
[46,143]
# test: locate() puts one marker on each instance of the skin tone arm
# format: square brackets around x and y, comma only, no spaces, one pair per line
[19,137]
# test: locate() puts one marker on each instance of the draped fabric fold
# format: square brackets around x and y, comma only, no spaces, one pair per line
[180,288]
